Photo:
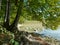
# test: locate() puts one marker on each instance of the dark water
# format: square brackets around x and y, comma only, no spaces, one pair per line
[50,33]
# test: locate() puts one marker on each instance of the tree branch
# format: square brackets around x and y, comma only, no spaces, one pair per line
[19,12]
[7,16]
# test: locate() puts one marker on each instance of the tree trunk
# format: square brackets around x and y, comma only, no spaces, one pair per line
[0,4]
[7,16]
[19,12]
[16,1]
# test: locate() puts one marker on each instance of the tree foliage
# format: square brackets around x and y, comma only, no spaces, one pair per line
[47,11]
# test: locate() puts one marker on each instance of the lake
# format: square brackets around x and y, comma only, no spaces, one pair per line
[50,33]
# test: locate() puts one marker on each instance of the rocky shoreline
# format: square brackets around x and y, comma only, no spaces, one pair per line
[50,40]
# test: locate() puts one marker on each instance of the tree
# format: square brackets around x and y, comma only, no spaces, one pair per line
[7,15]
[0,4]
[43,10]
[19,11]
[6,23]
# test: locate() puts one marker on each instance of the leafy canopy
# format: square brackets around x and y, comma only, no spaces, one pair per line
[47,11]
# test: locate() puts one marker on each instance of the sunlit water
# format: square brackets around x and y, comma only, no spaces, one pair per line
[50,33]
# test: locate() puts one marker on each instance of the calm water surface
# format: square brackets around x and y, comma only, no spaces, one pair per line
[51,33]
